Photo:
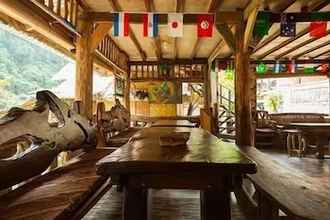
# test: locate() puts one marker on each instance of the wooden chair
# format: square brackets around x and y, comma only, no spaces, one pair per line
[265,130]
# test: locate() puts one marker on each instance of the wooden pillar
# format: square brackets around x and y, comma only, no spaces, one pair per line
[84,67]
[243,122]
[207,87]
[128,89]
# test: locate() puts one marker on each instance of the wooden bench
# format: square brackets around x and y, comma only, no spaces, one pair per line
[280,188]
[66,192]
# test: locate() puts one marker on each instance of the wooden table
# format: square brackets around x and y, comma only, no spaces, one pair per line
[173,123]
[320,132]
[206,164]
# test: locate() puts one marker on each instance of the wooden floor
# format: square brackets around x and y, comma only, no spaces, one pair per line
[184,205]
[166,205]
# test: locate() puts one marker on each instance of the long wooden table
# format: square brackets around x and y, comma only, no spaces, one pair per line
[206,164]
[319,132]
[173,123]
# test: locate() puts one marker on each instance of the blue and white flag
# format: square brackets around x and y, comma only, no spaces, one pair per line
[150,25]
[277,67]
[120,25]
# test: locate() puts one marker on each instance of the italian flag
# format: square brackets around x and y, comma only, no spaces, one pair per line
[120,25]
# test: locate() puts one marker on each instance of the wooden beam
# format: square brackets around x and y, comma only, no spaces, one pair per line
[302,44]
[84,68]
[227,35]
[243,115]
[311,49]
[226,17]
[180,7]
[315,7]
[150,7]
[127,91]
[171,61]
[115,6]
[216,50]
[253,5]
[321,54]
[59,19]
[99,33]
[250,26]
[271,75]
[23,14]
[213,7]
[207,87]
[284,43]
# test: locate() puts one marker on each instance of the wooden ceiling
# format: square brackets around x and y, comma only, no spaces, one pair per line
[271,46]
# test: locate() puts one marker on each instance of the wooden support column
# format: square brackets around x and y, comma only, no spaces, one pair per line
[243,122]
[84,67]
[127,90]
[207,87]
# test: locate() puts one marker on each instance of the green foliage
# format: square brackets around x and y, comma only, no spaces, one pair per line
[25,67]
[273,102]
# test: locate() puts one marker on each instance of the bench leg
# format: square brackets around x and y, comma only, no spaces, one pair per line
[266,209]
[215,204]
[288,144]
[135,205]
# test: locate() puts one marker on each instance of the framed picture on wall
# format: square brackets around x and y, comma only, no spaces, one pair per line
[119,86]
[165,92]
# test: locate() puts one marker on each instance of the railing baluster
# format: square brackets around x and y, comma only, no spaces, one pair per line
[58,7]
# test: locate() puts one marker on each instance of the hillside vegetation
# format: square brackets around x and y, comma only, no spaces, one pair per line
[25,67]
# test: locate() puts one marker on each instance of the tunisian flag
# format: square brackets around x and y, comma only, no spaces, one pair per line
[205,25]
[318,29]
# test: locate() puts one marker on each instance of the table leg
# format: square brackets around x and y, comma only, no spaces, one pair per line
[215,204]
[135,205]
[319,148]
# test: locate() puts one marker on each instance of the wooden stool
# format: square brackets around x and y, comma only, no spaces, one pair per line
[295,142]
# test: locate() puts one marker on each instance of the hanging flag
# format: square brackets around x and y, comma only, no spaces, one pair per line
[277,67]
[175,24]
[262,24]
[324,68]
[205,25]
[309,69]
[120,24]
[292,67]
[318,29]
[288,26]
[150,25]
[261,68]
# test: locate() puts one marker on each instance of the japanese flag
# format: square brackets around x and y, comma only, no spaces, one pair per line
[175,24]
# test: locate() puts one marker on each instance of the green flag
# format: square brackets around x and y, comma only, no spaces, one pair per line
[262,24]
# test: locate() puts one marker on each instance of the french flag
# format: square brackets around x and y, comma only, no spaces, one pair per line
[120,25]
[150,25]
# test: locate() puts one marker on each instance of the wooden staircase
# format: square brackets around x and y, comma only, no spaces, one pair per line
[226,118]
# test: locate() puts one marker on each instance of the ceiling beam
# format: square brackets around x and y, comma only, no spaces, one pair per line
[227,35]
[298,46]
[321,54]
[115,6]
[251,19]
[311,49]
[150,7]
[213,7]
[316,7]
[227,17]
[180,7]
[99,33]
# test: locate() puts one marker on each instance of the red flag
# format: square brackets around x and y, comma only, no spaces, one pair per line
[318,29]
[205,25]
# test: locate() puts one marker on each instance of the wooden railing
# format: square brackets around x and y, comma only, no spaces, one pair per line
[188,72]
[113,53]
[63,11]
[226,119]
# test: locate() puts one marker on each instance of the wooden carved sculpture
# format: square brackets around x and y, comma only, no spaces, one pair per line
[114,121]
[70,132]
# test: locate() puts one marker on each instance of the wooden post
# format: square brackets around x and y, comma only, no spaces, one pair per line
[127,89]
[84,67]
[242,91]
[207,87]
